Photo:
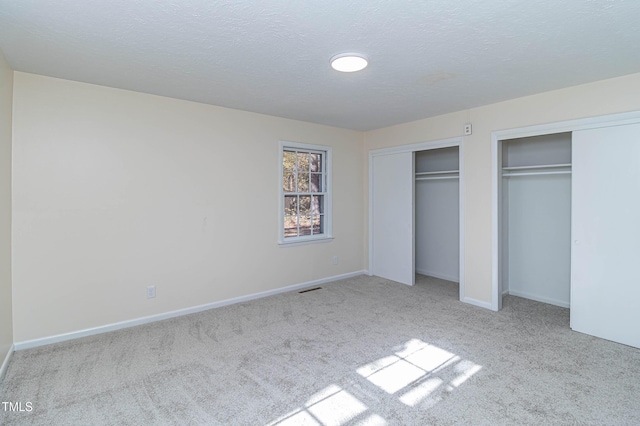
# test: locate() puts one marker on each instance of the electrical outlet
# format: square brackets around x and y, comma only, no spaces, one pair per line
[151,292]
[467,129]
[335,260]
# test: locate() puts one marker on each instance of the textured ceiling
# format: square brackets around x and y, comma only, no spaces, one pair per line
[426,57]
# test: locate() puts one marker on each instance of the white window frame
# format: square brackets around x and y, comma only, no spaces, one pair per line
[327,235]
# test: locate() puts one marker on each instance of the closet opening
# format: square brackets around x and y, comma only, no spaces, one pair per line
[416,214]
[564,227]
[535,218]
[437,220]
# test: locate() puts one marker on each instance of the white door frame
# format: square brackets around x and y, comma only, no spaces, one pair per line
[496,182]
[422,146]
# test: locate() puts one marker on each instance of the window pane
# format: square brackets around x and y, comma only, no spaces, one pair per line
[303,182]
[289,160]
[318,224]
[317,204]
[304,192]
[289,182]
[305,205]
[303,161]
[290,205]
[290,226]
[316,182]
[315,162]
[305,225]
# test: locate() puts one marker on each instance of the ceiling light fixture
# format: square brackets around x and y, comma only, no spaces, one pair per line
[349,62]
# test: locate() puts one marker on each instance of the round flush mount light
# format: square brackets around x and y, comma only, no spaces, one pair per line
[349,62]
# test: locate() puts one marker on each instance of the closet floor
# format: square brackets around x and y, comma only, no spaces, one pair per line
[440,288]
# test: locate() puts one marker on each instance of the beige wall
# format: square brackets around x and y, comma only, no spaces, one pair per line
[117,190]
[600,98]
[6,101]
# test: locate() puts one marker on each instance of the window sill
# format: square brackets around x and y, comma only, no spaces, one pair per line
[285,243]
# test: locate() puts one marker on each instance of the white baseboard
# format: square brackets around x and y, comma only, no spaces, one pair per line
[478,303]
[28,344]
[526,295]
[5,363]
[436,275]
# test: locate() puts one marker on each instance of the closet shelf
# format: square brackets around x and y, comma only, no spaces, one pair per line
[541,169]
[541,173]
[439,175]
[442,172]
[540,166]
[436,177]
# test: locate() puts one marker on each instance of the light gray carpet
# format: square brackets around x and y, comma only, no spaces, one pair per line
[359,351]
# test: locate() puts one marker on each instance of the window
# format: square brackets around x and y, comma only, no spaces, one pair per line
[305,192]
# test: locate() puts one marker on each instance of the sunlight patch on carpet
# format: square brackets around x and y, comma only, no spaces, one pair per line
[466,370]
[331,406]
[422,391]
[416,370]
[417,374]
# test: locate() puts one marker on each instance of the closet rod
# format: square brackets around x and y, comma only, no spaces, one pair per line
[564,172]
[436,177]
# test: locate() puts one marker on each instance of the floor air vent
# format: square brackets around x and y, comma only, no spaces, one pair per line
[310,289]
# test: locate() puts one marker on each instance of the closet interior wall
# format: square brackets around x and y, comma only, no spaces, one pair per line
[536,218]
[437,207]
